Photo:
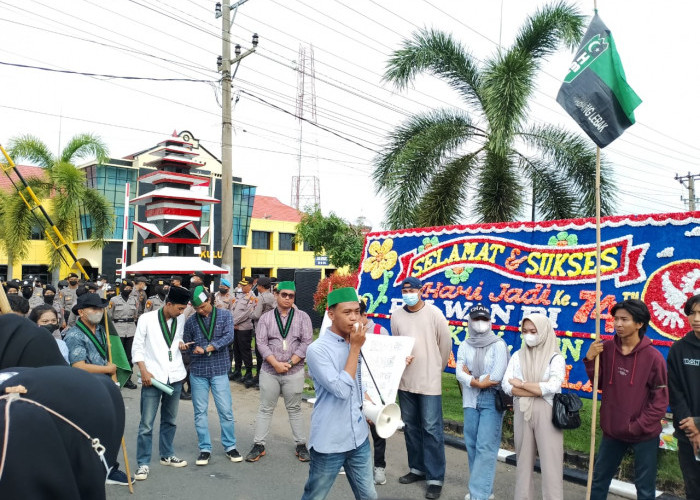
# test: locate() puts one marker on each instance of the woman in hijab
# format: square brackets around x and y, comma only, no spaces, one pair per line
[481,362]
[534,374]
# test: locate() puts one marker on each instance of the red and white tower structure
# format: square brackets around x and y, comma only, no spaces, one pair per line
[173,212]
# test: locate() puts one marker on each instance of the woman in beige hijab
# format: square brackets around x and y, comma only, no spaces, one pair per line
[534,374]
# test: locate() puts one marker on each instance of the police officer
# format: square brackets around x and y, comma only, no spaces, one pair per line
[35,299]
[140,284]
[50,299]
[157,301]
[68,296]
[122,310]
[12,287]
[223,299]
[176,280]
[101,285]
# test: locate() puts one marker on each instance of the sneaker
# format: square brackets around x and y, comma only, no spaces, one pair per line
[141,473]
[203,458]
[255,454]
[469,497]
[173,461]
[234,456]
[379,475]
[117,477]
[434,491]
[130,385]
[342,470]
[303,453]
[411,478]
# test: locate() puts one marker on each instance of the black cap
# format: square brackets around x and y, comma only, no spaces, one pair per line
[176,277]
[89,300]
[264,282]
[178,295]
[140,279]
[49,288]
[62,283]
[72,275]
[101,277]
[479,311]
[92,286]
[126,282]
[411,282]
[27,284]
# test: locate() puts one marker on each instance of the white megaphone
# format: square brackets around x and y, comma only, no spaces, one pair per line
[386,418]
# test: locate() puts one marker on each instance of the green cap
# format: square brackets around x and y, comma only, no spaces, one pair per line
[286,285]
[199,296]
[347,294]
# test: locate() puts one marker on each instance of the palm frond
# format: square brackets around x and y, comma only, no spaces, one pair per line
[70,188]
[552,196]
[31,148]
[575,156]
[497,191]
[100,212]
[85,146]
[550,26]
[437,53]
[445,199]
[415,151]
[17,221]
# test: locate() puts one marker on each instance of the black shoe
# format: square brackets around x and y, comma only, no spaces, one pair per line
[254,381]
[255,454]
[203,458]
[130,385]
[247,379]
[234,456]
[411,478]
[235,376]
[186,396]
[434,491]
[303,453]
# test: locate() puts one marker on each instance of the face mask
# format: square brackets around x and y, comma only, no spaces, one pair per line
[411,299]
[48,299]
[480,326]
[162,294]
[51,327]
[530,339]
[126,293]
[73,282]
[223,291]
[95,317]
[27,293]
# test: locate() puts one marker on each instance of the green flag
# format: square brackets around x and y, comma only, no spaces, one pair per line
[595,92]
[118,353]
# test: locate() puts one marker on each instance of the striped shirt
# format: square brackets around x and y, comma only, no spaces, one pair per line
[270,342]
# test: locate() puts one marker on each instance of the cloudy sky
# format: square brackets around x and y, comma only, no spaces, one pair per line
[181,39]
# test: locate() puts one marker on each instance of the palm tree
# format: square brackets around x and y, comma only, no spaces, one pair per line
[433,160]
[65,185]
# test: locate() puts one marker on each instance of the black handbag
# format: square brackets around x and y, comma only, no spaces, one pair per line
[565,410]
[503,401]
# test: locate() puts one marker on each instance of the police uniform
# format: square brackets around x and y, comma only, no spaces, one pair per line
[154,303]
[222,301]
[34,301]
[68,297]
[123,313]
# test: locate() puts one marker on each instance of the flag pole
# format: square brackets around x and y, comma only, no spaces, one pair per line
[594,406]
[109,357]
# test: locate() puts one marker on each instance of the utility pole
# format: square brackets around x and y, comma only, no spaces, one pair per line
[223,10]
[690,179]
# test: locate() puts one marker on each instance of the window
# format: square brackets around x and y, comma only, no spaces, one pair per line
[307,247]
[37,232]
[287,241]
[261,240]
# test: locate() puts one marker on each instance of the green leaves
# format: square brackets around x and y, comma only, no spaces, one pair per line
[434,161]
[341,241]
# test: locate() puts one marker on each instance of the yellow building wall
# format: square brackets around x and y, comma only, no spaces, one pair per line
[275,258]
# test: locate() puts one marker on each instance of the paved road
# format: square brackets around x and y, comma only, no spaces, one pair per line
[278,475]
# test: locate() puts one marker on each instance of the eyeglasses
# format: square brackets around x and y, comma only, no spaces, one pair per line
[285,295]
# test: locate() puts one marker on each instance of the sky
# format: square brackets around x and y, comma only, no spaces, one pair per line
[355,108]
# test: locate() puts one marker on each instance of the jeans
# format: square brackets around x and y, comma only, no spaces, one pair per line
[610,455]
[423,431]
[221,390]
[150,398]
[482,437]
[291,387]
[324,470]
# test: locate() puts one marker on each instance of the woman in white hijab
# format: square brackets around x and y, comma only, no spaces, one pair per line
[534,374]
[481,362]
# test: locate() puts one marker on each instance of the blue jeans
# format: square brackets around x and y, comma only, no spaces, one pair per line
[482,437]
[324,470]
[425,440]
[221,390]
[607,461]
[150,398]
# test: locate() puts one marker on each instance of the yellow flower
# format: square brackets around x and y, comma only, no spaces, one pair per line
[382,258]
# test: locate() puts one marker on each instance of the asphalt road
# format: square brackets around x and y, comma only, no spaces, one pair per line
[278,475]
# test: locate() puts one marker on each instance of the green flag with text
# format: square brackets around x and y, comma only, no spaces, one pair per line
[595,92]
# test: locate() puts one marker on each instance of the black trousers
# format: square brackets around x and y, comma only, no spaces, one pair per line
[127,343]
[379,448]
[242,350]
[690,469]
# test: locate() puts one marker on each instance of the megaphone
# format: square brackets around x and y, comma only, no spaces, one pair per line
[386,418]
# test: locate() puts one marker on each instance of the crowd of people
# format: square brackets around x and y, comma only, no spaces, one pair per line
[188,343]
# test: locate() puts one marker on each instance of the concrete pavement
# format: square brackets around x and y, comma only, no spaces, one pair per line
[278,475]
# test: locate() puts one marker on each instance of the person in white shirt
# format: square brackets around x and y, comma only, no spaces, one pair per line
[156,351]
[534,374]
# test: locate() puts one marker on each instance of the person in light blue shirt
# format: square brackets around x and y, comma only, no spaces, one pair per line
[339,431]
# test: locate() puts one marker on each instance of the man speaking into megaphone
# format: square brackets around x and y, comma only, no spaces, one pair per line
[335,367]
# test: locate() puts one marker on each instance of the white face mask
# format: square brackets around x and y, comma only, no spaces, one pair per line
[480,325]
[95,317]
[530,339]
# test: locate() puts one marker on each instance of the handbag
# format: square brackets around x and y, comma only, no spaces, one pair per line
[565,411]
[503,401]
